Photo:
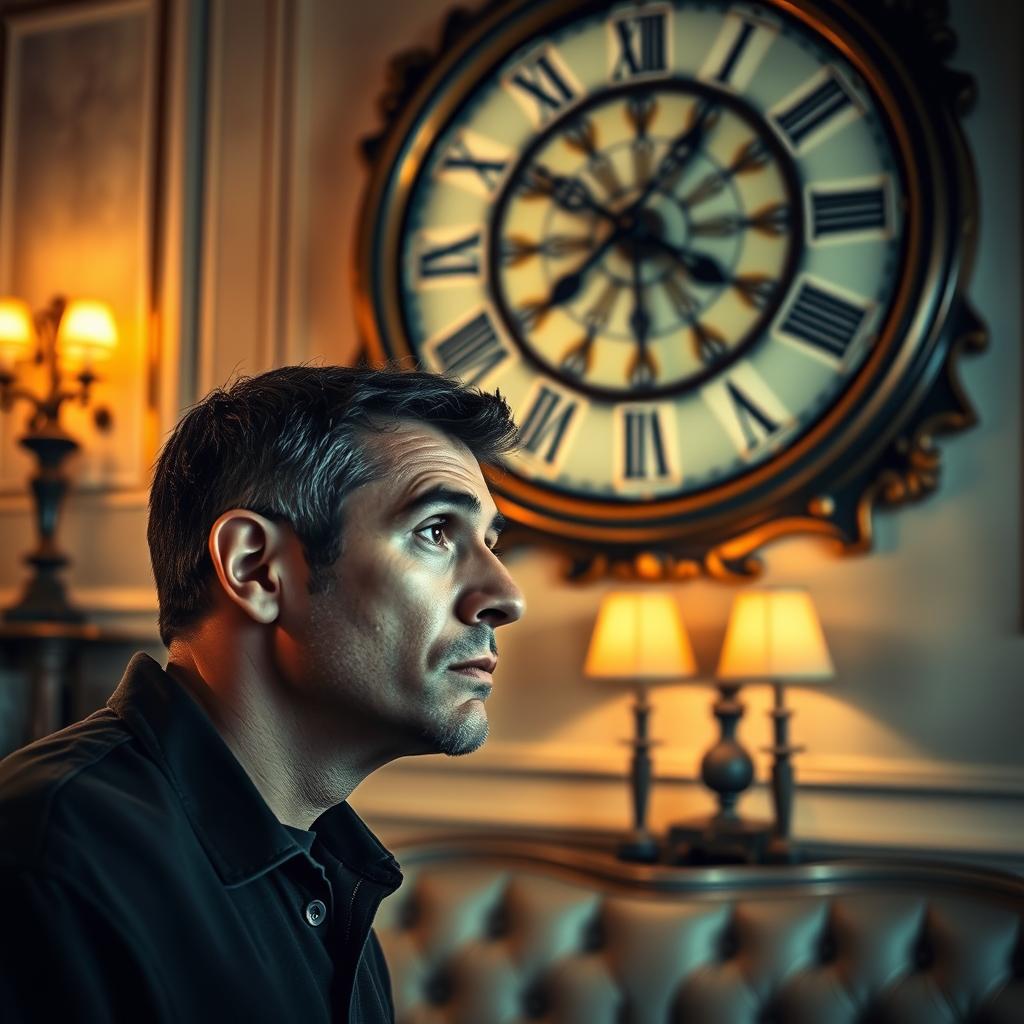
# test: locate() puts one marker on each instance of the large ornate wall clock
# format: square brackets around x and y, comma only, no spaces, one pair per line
[713,254]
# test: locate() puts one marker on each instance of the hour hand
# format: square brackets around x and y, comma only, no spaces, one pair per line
[701,268]
[571,194]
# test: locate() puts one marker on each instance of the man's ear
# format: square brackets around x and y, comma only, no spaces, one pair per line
[249,555]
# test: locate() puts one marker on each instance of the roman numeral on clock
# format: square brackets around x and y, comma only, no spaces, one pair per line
[644,453]
[746,407]
[639,44]
[541,80]
[545,427]
[487,170]
[824,320]
[854,211]
[737,52]
[733,56]
[755,423]
[452,259]
[822,106]
[471,352]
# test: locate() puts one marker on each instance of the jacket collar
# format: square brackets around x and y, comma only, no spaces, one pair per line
[239,832]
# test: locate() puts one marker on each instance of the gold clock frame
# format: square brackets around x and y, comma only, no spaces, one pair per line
[875,445]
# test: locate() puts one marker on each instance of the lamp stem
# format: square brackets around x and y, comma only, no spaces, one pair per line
[641,845]
[782,765]
[641,774]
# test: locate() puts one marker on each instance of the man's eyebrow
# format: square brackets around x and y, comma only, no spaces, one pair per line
[444,495]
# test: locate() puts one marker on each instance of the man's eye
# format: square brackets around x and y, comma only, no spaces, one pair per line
[435,533]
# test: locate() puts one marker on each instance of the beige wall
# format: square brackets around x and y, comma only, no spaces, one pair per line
[918,740]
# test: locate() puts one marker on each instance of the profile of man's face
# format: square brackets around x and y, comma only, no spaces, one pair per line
[402,642]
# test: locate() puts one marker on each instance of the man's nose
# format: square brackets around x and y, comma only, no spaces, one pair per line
[491,595]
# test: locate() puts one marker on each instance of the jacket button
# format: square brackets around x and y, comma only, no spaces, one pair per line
[316,911]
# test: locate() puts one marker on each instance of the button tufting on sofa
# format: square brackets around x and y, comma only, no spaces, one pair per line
[508,932]
[729,943]
[593,938]
[535,1003]
[438,989]
[496,926]
[828,949]
[924,955]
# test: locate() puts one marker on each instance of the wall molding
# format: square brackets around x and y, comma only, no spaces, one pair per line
[859,773]
[102,600]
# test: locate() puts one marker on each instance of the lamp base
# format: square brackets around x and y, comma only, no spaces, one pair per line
[43,600]
[639,847]
[719,839]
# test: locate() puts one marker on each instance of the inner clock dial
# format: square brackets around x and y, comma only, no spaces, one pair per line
[656,228]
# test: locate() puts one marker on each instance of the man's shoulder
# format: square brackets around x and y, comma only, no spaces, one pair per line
[75,790]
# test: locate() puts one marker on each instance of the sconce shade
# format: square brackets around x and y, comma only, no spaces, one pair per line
[639,637]
[17,334]
[87,331]
[775,635]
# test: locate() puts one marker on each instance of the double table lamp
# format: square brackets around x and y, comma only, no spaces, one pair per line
[639,638]
[773,636]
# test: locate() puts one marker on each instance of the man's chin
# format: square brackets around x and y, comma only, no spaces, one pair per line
[461,736]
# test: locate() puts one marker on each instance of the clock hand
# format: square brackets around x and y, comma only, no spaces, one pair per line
[642,371]
[702,268]
[571,194]
[680,152]
[639,319]
[568,286]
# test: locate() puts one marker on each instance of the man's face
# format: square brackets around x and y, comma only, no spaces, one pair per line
[402,642]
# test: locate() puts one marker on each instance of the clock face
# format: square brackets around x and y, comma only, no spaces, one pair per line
[676,237]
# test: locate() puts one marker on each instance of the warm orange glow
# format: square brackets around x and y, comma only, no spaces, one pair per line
[639,636]
[775,635]
[87,331]
[17,334]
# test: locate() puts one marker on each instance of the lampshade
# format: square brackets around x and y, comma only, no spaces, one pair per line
[639,636]
[774,635]
[17,333]
[87,331]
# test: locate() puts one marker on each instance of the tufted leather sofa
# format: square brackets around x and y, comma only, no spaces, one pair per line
[490,932]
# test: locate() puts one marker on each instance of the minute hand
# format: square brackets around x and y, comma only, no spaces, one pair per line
[567,287]
[680,152]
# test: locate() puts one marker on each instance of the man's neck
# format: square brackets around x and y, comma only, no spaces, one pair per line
[278,742]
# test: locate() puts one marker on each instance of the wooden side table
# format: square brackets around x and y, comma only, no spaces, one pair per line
[50,655]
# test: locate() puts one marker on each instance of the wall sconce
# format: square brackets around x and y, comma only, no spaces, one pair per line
[67,339]
[775,636]
[639,637]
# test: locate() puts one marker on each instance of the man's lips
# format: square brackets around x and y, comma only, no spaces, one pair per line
[477,668]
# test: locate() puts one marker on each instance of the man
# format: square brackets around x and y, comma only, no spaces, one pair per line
[322,542]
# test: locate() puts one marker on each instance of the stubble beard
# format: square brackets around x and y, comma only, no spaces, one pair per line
[458,734]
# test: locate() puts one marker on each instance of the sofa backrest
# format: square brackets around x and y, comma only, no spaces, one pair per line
[493,932]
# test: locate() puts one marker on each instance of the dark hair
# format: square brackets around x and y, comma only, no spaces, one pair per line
[290,444]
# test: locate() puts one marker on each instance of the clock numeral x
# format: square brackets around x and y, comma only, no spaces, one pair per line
[459,158]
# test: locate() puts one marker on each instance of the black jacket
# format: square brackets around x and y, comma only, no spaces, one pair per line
[144,878]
